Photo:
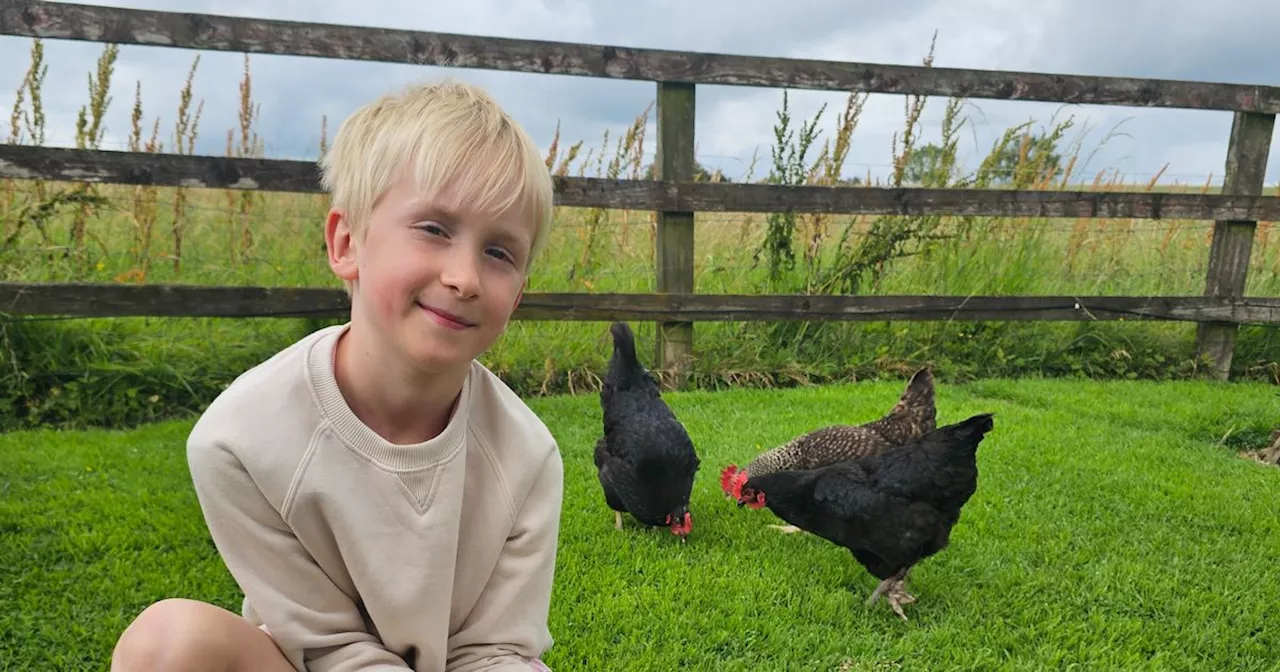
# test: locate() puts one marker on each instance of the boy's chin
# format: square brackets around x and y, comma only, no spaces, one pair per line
[442,350]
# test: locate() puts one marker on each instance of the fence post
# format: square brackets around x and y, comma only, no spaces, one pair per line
[1233,239]
[674,254]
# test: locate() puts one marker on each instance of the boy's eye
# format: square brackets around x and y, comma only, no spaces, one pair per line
[432,228]
[500,253]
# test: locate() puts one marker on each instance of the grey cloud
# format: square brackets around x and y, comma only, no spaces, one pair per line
[754,27]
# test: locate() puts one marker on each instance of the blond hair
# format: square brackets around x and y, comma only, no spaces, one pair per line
[450,135]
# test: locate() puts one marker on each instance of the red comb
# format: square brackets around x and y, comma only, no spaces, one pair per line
[726,479]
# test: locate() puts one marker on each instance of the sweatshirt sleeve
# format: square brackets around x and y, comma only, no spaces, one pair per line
[507,629]
[312,620]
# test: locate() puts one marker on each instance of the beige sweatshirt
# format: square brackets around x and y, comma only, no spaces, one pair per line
[359,554]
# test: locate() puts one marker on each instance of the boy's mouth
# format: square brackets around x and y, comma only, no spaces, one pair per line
[445,318]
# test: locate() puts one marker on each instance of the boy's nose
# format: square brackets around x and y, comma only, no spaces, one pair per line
[460,274]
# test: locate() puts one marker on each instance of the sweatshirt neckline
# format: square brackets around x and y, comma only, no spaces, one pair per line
[394,456]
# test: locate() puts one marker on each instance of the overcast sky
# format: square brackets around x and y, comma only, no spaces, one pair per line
[1181,39]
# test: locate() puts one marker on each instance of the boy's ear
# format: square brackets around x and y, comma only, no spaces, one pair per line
[340,244]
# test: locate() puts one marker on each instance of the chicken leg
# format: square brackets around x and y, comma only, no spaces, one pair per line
[894,592]
[617,520]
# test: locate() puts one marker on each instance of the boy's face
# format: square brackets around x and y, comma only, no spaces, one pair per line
[436,282]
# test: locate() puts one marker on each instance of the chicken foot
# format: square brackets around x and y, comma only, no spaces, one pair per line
[894,592]
[786,529]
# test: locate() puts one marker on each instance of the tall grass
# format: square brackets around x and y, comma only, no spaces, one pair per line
[123,371]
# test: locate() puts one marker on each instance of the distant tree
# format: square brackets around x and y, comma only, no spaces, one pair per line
[925,162]
[1042,159]
[1007,165]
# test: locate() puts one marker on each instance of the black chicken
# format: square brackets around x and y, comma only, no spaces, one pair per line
[646,460]
[891,509]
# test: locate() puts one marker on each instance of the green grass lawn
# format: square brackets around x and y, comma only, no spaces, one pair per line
[1114,528]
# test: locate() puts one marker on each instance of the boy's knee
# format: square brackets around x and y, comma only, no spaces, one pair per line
[169,635]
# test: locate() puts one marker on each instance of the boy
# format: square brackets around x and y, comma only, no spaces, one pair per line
[383,500]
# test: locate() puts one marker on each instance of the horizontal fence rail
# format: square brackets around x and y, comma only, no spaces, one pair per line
[212,172]
[118,25]
[111,300]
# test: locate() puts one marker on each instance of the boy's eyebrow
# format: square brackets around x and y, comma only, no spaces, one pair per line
[435,211]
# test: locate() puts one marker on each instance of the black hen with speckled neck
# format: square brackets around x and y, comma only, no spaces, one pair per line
[891,509]
[913,416]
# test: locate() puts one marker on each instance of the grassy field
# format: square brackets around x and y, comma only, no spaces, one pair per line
[1114,528]
[127,371]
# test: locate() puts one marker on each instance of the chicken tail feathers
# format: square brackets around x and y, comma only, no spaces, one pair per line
[970,432]
[975,426]
[624,342]
[919,390]
[625,370]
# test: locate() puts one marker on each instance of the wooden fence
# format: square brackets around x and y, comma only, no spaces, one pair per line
[673,194]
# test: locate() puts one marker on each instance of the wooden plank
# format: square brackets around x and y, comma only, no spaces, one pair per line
[28,162]
[214,172]
[677,105]
[70,21]
[908,201]
[1246,168]
[121,300]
